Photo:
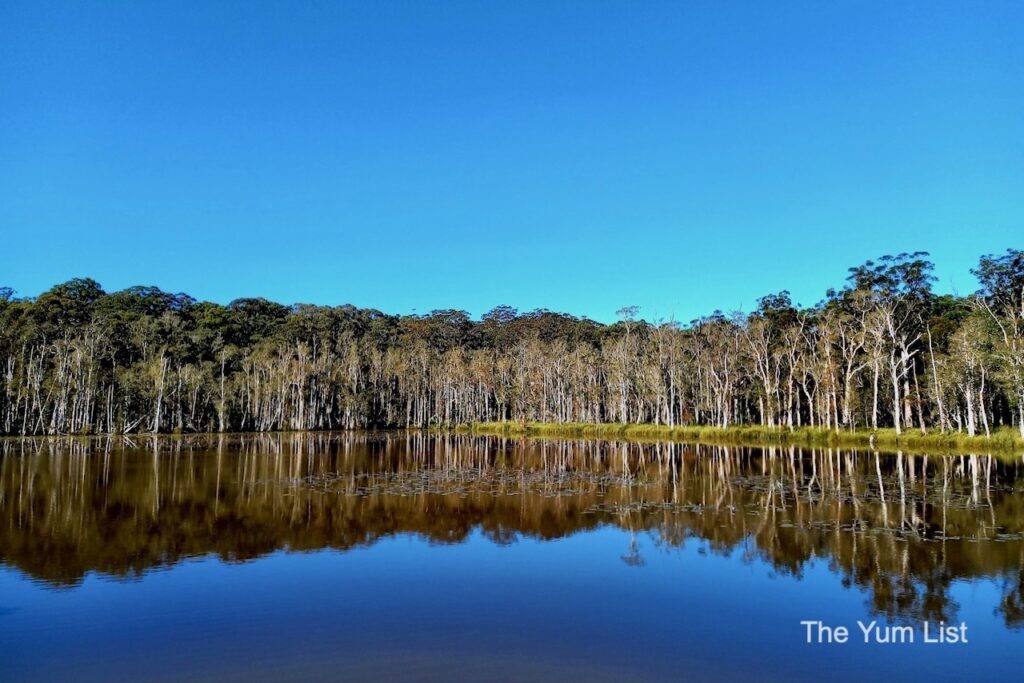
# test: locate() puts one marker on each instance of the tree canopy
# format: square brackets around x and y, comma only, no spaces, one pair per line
[883,350]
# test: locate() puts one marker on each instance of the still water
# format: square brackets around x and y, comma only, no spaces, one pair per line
[416,557]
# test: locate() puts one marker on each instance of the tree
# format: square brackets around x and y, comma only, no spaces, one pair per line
[882,351]
[1002,297]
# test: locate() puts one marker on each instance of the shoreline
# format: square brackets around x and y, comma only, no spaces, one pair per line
[1005,440]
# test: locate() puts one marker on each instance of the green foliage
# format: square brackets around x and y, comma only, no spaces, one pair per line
[883,350]
[1002,277]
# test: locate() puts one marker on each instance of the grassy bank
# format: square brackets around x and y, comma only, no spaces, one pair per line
[1005,440]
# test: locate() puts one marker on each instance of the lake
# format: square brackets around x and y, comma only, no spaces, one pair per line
[411,556]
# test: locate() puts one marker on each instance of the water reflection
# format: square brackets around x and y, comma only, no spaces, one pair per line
[902,528]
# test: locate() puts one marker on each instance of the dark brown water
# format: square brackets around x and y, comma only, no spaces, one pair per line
[414,557]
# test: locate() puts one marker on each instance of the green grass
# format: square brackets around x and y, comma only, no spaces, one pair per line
[1004,440]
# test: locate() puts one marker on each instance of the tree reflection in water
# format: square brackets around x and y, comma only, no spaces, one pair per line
[902,528]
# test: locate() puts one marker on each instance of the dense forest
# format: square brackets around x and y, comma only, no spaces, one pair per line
[882,351]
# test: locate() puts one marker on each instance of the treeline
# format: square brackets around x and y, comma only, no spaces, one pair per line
[882,351]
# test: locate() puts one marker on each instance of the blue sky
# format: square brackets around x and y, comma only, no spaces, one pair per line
[577,156]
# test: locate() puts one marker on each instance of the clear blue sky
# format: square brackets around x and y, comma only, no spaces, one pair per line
[578,156]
